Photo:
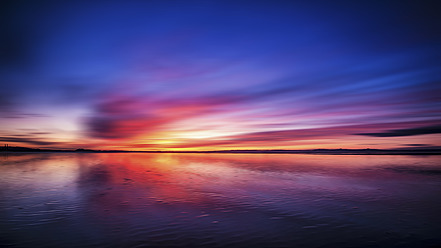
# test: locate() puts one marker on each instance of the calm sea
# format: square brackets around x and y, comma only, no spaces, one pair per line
[219,200]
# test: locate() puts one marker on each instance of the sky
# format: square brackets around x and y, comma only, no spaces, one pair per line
[220,75]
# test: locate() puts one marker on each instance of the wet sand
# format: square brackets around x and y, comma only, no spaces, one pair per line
[219,200]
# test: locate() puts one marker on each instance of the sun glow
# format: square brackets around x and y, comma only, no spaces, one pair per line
[203,134]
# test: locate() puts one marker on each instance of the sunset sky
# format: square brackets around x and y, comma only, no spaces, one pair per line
[220,75]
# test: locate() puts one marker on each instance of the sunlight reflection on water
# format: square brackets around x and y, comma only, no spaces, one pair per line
[219,200]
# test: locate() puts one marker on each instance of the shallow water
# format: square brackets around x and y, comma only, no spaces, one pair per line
[219,200]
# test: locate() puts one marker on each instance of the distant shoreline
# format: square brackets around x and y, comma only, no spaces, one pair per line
[313,151]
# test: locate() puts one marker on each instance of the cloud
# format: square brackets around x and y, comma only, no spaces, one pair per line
[19,115]
[417,145]
[406,132]
[123,117]
[154,71]
[28,140]
[291,137]
[339,130]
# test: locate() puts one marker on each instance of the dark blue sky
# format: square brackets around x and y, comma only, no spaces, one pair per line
[204,74]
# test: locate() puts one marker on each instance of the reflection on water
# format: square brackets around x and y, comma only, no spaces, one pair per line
[219,200]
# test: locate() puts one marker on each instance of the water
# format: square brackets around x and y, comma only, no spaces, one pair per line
[219,200]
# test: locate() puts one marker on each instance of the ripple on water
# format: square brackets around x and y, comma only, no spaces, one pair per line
[144,200]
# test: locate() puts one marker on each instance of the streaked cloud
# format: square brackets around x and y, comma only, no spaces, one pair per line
[406,132]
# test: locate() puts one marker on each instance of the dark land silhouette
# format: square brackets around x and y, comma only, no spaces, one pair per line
[367,151]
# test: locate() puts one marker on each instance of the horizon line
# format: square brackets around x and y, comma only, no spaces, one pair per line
[338,151]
